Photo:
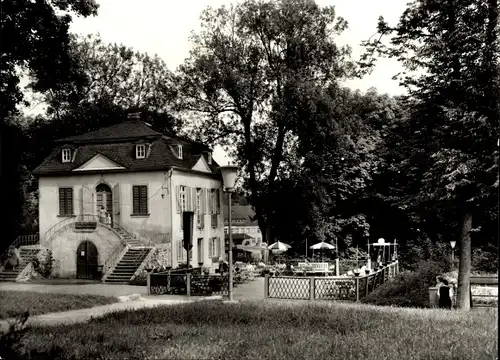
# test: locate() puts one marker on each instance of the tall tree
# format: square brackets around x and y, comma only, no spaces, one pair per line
[106,82]
[112,75]
[35,38]
[245,65]
[455,110]
[35,42]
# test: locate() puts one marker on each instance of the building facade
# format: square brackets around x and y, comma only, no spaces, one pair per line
[246,230]
[133,183]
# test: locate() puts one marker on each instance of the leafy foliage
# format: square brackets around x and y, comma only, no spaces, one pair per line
[454,110]
[247,66]
[410,288]
[44,265]
[30,30]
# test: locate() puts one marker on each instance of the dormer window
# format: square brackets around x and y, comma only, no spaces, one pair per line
[209,158]
[140,151]
[179,151]
[66,155]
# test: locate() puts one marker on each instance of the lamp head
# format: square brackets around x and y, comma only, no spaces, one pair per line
[453,243]
[228,176]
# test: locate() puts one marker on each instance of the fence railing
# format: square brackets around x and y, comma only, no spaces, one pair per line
[23,240]
[328,288]
[187,284]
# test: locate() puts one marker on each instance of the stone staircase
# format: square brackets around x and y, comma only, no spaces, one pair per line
[128,265]
[131,240]
[27,255]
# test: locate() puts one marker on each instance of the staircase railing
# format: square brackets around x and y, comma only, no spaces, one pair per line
[143,262]
[23,240]
[141,239]
[113,258]
[50,233]
[113,261]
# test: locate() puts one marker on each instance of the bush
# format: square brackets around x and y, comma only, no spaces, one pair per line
[485,260]
[410,288]
[413,253]
[43,263]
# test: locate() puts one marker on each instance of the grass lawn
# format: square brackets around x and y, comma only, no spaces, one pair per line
[13,303]
[252,330]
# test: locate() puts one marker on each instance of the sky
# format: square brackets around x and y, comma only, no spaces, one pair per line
[163,27]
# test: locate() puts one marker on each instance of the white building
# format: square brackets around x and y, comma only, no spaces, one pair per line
[144,180]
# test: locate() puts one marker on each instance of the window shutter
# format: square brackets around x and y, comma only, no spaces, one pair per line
[178,197]
[62,204]
[193,199]
[211,201]
[69,201]
[144,199]
[217,195]
[136,200]
[218,247]
[203,197]
[189,205]
[179,250]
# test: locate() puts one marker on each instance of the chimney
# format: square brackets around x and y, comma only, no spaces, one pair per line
[134,116]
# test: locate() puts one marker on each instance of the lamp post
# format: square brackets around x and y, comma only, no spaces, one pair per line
[228,173]
[452,243]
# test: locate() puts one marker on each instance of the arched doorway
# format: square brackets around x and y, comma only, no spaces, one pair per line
[104,199]
[86,260]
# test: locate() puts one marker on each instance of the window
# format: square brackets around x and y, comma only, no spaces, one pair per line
[214,247]
[209,158]
[226,231]
[65,201]
[66,155]
[179,151]
[183,198]
[198,207]
[140,200]
[140,151]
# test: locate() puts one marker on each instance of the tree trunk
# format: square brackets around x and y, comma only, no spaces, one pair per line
[463,299]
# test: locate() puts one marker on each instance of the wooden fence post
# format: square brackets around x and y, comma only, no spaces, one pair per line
[311,288]
[266,286]
[357,288]
[188,284]
[149,283]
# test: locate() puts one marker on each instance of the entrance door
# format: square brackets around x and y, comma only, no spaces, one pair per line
[104,198]
[86,260]
[200,251]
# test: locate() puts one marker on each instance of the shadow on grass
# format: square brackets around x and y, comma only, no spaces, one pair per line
[253,330]
[14,303]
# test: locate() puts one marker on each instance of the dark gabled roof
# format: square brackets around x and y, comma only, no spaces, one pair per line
[132,129]
[121,150]
[240,212]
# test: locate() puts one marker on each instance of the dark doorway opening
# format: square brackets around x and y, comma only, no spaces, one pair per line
[86,261]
